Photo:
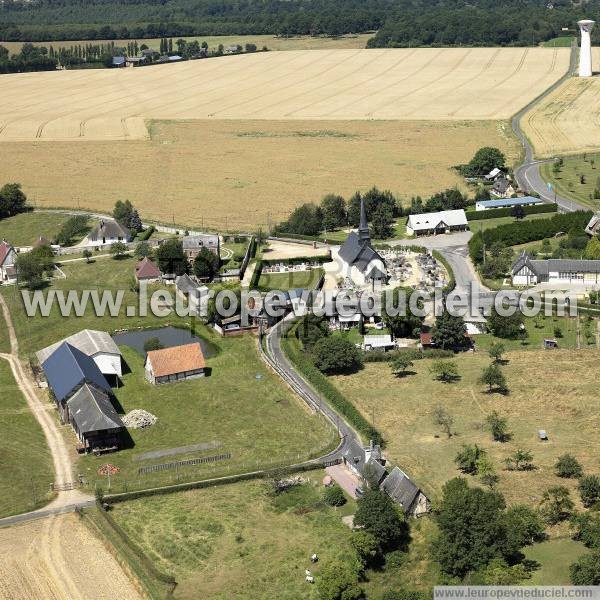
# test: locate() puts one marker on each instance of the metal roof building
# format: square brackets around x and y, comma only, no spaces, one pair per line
[67,368]
[507,202]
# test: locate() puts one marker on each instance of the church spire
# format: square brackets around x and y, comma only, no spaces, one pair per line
[363,228]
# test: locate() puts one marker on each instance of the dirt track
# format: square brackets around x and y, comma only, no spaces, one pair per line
[59,558]
[422,83]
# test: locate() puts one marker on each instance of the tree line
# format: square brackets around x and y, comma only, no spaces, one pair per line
[399,23]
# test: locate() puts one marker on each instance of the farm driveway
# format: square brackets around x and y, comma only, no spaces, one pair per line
[345,479]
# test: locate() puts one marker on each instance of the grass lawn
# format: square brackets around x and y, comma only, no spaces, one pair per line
[241,405]
[564,41]
[568,182]
[26,469]
[290,280]
[483,224]
[556,392]
[24,229]
[236,249]
[554,557]
[235,541]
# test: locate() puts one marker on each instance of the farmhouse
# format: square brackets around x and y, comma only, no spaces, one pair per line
[360,262]
[365,462]
[507,203]
[94,418]
[147,271]
[66,369]
[192,244]
[444,221]
[398,486]
[98,345]
[502,188]
[527,271]
[109,232]
[175,364]
[8,257]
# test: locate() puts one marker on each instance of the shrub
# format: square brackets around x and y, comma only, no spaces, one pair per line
[568,466]
[334,354]
[589,490]
[334,496]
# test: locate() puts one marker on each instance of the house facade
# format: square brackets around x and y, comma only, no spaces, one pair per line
[108,232]
[445,221]
[8,259]
[193,244]
[175,364]
[567,272]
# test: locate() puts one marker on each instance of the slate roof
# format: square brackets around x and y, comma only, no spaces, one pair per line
[355,455]
[544,267]
[67,367]
[501,185]
[452,218]
[186,285]
[508,202]
[193,242]
[5,249]
[400,488]
[357,254]
[146,269]
[178,359]
[118,61]
[92,410]
[88,341]
[109,229]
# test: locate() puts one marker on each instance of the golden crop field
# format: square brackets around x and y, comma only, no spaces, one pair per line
[422,83]
[567,121]
[237,175]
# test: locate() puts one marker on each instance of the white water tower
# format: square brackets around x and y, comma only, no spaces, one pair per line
[585,51]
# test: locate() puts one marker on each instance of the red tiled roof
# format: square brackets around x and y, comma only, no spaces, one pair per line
[146,269]
[426,339]
[178,359]
[5,249]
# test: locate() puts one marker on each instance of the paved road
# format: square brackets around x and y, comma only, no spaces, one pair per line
[528,174]
[276,358]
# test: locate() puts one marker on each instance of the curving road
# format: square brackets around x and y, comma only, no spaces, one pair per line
[528,174]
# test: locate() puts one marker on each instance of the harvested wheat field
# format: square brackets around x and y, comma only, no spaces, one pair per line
[237,175]
[567,121]
[422,83]
[59,558]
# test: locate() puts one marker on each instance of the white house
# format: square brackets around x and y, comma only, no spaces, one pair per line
[108,232]
[507,203]
[378,342]
[565,272]
[98,345]
[494,174]
[8,257]
[445,221]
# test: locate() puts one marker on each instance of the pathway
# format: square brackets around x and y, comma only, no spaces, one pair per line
[44,413]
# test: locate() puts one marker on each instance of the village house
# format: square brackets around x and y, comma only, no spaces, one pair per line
[398,486]
[192,244]
[175,364]
[8,258]
[445,221]
[98,345]
[360,262]
[502,188]
[507,203]
[365,462]
[147,271]
[108,232]
[565,272]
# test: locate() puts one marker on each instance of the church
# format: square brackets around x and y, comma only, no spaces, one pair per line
[360,262]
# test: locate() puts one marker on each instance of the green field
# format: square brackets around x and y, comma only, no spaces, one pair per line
[568,182]
[290,280]
[564,41]
[235,541]
[555,557]
[551,390]
[483,224]
[24,229]
[26,469]
[241,405]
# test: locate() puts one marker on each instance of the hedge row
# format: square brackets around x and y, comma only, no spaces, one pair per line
[296,260]
[522,232]
[494,213]
[145,235]
[452,282]
[258,267]
[305,366]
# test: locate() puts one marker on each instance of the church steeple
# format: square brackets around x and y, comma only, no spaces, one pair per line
[363,228]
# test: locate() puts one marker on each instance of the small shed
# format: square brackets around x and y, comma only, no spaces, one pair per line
[550,343]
